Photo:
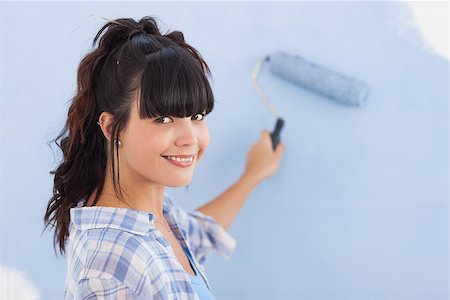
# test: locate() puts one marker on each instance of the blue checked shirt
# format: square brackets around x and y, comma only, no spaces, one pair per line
[117,253]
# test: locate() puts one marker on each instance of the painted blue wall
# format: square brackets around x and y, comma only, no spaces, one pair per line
[358,208]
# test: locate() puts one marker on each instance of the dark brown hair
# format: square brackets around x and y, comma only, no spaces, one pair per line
[131,57]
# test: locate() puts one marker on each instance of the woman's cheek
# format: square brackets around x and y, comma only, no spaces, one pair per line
[203,141]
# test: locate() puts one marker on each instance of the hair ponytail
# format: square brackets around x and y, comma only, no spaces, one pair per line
[82,145]
[130,56]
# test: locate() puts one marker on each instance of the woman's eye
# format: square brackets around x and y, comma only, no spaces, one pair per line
[167,119]
[200,114]
[161,120]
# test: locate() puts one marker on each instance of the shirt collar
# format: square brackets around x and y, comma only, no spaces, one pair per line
[127,219]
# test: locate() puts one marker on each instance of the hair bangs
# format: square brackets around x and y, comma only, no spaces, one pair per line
[174,84]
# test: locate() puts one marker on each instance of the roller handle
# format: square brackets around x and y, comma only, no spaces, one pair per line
[275,135]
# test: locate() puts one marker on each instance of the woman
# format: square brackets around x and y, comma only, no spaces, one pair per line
[136,125]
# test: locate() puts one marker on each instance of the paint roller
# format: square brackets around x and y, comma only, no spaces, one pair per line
[317,78]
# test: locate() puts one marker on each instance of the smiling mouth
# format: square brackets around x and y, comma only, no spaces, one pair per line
[180,161]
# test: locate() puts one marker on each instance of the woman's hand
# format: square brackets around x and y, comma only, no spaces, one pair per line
[262,160]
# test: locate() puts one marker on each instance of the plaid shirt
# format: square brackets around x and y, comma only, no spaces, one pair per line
[117,253]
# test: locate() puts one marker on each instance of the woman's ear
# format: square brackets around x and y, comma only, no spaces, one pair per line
[106,121]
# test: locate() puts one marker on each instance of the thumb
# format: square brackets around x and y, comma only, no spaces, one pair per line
[279,150]
[265,136]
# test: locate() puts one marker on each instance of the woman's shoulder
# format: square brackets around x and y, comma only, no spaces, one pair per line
[114,242]
[124,257]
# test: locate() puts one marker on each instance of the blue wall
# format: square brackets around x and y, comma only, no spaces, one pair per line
[358,208]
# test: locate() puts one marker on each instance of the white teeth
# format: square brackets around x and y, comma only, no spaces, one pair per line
[189,159]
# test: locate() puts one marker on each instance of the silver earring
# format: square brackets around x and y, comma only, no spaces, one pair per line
[117,143]
[98,123]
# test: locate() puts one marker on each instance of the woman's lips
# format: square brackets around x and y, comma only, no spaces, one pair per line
[181,164]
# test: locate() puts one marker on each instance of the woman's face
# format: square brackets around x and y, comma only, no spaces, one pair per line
[146,142]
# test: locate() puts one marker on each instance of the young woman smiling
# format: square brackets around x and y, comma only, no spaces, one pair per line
[136,125]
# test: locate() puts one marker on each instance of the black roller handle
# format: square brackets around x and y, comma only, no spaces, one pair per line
[275,135]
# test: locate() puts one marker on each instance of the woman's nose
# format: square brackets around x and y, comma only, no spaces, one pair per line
[185,133]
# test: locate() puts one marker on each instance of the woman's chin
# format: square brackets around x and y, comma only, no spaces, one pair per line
[179,182]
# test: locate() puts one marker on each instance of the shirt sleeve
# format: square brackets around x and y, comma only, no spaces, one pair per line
[103,289]
[204,234]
